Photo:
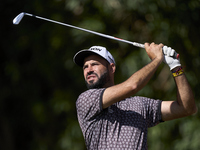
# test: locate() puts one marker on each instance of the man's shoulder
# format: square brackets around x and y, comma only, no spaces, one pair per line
[142,101]
[141,98]
[137,98]
[90,100]
[91,91]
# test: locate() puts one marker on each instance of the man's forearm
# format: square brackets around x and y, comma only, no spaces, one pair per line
[185,97]
[185,103]
[142,77]
[131,86]
[138,80]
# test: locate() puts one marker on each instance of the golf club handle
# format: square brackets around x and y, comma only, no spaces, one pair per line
[175,56]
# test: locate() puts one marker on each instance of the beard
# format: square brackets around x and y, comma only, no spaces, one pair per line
[99,83]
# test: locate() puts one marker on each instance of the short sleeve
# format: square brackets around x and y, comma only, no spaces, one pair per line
[153,111]
[149,109]
[89,105]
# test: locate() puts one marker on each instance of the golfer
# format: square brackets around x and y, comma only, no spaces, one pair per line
[110,116]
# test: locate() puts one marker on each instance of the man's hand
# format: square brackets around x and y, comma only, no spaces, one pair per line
[169,59]
[154,51]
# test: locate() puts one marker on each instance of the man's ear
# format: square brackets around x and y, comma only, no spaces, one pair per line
[112,68]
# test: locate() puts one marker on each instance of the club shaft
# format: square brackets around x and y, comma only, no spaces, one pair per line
[93,32]
[20,16]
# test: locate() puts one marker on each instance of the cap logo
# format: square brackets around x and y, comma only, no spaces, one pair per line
[95,48]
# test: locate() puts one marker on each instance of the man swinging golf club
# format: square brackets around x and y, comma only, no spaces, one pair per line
[109,117]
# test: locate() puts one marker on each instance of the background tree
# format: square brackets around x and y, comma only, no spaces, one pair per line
[39,83]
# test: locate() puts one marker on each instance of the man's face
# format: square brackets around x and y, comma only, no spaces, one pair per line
[96,72]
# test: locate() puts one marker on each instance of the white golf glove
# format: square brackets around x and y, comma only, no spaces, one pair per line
[169,58]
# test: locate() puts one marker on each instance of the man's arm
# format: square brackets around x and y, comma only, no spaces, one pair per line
[138,80]
[185,103]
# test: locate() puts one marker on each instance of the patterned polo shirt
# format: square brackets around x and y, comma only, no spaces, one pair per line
[122,125]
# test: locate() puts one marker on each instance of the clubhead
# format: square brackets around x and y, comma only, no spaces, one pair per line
[18,18]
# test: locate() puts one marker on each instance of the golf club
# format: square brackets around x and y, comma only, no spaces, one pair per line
[19,17]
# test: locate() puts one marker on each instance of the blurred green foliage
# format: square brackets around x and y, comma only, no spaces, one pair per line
[40,83]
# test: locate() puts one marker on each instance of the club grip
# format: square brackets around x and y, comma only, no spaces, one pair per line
[176,55]
[165,49]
